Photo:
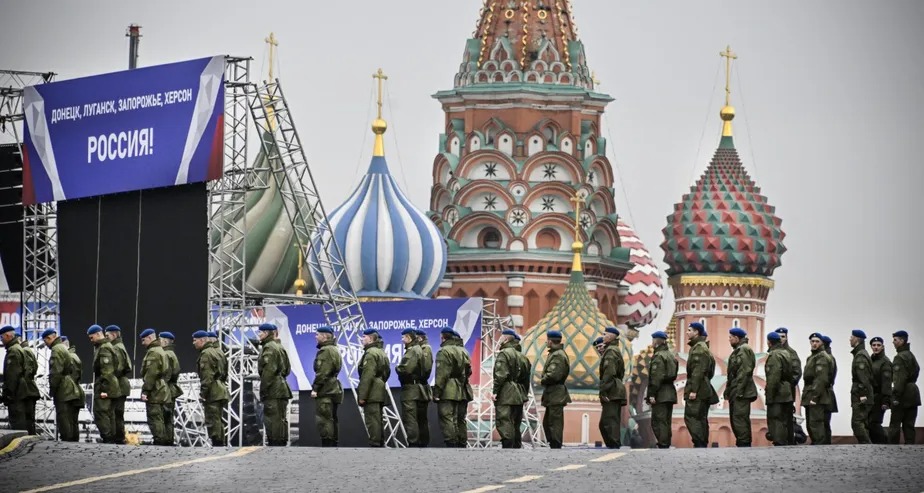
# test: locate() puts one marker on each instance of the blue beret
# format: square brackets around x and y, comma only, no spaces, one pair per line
[782,330]
[817,335]
[902,334]
[325,330]
[825,339]
[48,332]
[659,335]
[146,332]
[858,333]
[409,332]
[456,335]
[167,335]
[199,334]
[611,330]
[267,326]
[63,338]
[94,329]
[876,339]
[421,332]
[113,328]
[516,336]
[774,336]
[699,327]
[7,328]
[369,332]
[508,332]
[740,333]
[553,334]
[598,341]
[448,331]
[212,333]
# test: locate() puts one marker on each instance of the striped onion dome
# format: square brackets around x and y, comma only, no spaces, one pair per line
[642,302]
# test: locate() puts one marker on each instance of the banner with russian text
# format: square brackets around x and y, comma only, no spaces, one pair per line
[136,129]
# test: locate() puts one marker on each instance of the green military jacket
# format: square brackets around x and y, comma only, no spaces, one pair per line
[778,369]
[700,370]
[124,369]
[77,368]
[453,368]
[882,378]
[155,373]
[661,376]
[612,371]
[507,389]
[213,372]
[61,383]
[410,374]
[327,364]
[524,380]
[833,378]
[554,375]
[173,372]
[740,384]
[817,379]
[905,370]
[426,367]
[373,374]
[861,370]
[19,368]
[106,371]
[273,367]
[795,364]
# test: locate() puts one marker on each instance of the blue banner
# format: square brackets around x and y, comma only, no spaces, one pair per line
[144,128]
[298,325]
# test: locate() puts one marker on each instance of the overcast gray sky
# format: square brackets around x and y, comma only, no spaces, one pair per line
[830,99]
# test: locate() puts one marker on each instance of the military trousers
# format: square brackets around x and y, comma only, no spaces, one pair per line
[156,423]
[791,429]
[504,422]
[66,419]
[325,418]
[611,423]
[214,423]
[105,419]
[517,416]
[828,414]
[452,422]
[815,417]
[661,415]
[276,422]
[423,423]
[372,415]
[740,414]
[876,433]
[22,415]
[859,420]
[696,418]
[409,419]
[169,416]
[779,422]
[118,410]
[902,423]
[553,424]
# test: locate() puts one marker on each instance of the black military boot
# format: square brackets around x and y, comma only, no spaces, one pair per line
[506,443]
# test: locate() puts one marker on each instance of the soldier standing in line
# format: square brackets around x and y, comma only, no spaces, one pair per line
[372,391]
[740,390]
[661,394]
[423,405]
[76,374]
[123,373]
[906,397]
[795,373]
[612,389]
[154,391]
[833,409]
[167,340]
[882,387]
[816,393]
[862,396]
[524,382]
[326,389]
[555,394]
[698,393]
[66,393]
[212,367]
[411,389]
[273,367]
[779,396]
[106,387]
[19,389]
[451,390]
[507,394]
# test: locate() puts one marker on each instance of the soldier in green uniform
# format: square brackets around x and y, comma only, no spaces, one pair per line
[816,394]
[106,388]
[372,393]
[212,367]
[76,375]
[326,389]
[507,394]
[698,392]
[833,408]
[19,389]
[423,405]
[124,372]
[612,389]
[167,340]
[795,373]
[412,389]
[661,394]
[66,393]
[155,392]
[779,398]
[555,394]
[740,390]
[882,387]
[862,396]
[523,382]
[273,367]
[451,389]
[906,397]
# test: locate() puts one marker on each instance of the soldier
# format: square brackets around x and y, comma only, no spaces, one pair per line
[77,373]
[19,390]
[507,394]
[372,392]
[555,394]
[906,396]
[833,409]
[524,382]
[779,398]
[816,394]
[698,393]
[661,394]
[326,387]
[612,389]
[167,340]
[862,397]
[155,392]
[212,366]
[412,391]
[740,390]
[123,372]
[423,405]
[882,387]
[66,393]
[451,390]
[275,393]
[106,388]
[795,373]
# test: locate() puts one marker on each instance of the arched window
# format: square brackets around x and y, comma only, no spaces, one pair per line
[736,323]
[548,239]
[490,238]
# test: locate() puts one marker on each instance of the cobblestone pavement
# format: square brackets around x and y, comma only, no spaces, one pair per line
[847,468]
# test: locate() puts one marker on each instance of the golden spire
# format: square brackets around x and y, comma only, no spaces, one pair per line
[268,104]
[300,284]
[379,126]
[728,111]
[577,247]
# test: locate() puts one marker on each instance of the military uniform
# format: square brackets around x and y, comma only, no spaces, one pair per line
[372,391]
[817,389]
[412,390]
[700,370]
[862,373]
[275,393]
[123,373]
[779,396]
[555,394]
[326,386]
[106,368]
[524,383]
[423,405]
[77,375]
[661,376]
[740,391]
[906,397]
[612,394]
[65,391]
[507,392]
[156,392]
[452,391]
[173,374]
[833,409]
[796,374]
[212,367]
[882,387]
[19,389]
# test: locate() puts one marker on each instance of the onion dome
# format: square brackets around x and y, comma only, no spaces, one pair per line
[642,284]
[390,248]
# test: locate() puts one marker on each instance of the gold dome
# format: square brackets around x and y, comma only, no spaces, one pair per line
[727,114]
